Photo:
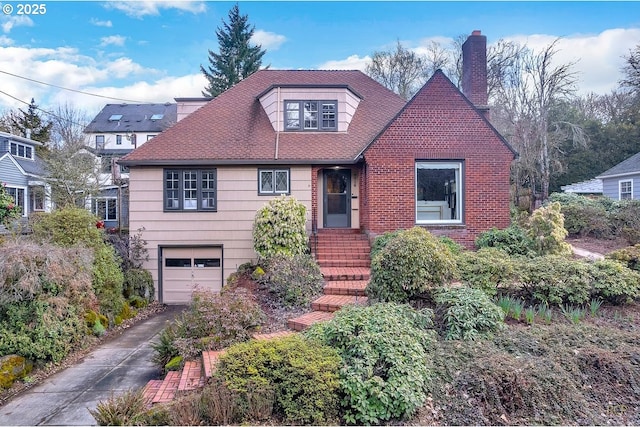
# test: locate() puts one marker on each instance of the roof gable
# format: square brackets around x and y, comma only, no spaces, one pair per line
[439,107]
[7,160]
[234,127]
[629,166]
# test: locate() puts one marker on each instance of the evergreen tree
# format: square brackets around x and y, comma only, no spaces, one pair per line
[236,59]
[30,124]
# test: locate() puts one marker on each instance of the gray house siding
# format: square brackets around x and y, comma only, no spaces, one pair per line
[611,186]
[10,174]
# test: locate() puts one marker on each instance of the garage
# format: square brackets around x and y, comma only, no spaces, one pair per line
[185,268]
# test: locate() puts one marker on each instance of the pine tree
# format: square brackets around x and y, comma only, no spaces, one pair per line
[236,59]
[31,125]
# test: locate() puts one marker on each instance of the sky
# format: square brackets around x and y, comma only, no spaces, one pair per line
[151,51]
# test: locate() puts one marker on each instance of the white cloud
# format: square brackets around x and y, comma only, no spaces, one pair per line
[5,41]
[100,23]
[115,40]
[8,22]
[268,40]
[139,9]
[353,62]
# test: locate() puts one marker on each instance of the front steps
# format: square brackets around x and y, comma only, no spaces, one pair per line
[343,256]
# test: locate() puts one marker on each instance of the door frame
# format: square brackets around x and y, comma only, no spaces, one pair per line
[347,173]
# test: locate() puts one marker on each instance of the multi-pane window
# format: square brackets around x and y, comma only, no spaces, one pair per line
[99,142]
[626,189]
[273,181]
[105,208]
[21,150]
[439,192]
[36,199]
[18,197]
[190,190]
[310,115]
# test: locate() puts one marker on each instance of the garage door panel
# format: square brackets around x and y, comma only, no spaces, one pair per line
[185,269]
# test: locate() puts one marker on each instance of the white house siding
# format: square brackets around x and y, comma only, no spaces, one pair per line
[611,187]
[229,227]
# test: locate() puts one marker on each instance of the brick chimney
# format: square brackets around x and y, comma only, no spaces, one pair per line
[474,71]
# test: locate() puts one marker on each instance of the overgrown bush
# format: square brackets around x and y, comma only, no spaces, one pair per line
[583,216]
[410,264]
[8,209]
[212,322]
[626,220]
[488,269]
[292,281]
[554,279]
[67,227]
[301,374]
[545,228]
[512,240]
[385,365]
[467,314]
[280,228]
[381,241]
[125,409]
[138,283]
[629,255]
[107,280]
[613,282]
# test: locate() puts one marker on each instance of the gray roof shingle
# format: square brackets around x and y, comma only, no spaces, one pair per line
[134,117]
[628,166]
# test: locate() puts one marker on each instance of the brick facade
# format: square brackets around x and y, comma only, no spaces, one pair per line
[439,123]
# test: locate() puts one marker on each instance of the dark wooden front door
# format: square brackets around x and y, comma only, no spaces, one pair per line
[337,198]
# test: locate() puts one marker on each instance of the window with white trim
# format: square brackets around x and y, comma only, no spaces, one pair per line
[273,181]
[190,190]
[626,189]
[148,138]
[21,150]
[438,192]
[311,115]
[118,139]
[36,199]
[99,141]
[105,208]
[18,195]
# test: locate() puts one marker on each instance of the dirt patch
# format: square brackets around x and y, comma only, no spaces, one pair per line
[600,246]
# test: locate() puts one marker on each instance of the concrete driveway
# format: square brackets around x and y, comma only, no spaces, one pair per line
[116,366]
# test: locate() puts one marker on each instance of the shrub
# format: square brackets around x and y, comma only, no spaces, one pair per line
[280,228]
[512,240]
[292,281]
[383,347]
[8,209]
[381,241]
[126,409]
[546,229]
[467,314]
[613,282]
[302,374]
[107,280]
[555,279]
[629,255]
[212,322]
[138,283]
[410,264]
[67,227]
[583,216]
[626,220]
[488,269]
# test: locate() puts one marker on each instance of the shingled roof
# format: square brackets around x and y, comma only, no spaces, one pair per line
[629,166]
[120,118]
[234,128]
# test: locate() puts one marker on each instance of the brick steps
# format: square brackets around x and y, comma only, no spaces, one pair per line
[344,263]
[346,287]
[333,303]
[303,322]
[331,274]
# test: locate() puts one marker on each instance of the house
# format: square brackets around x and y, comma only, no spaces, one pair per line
[592,187]
[115,131]
[21,171]
[356,154]
[622,181]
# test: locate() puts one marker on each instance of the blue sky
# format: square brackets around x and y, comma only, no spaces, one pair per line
[151,51]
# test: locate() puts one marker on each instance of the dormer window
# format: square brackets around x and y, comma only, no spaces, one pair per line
[21,150]
[311,115]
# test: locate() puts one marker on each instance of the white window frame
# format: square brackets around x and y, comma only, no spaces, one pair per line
[22,201]
[14,149]
[455,198]
[266,192]
[118,139]
[630,192]
[148,138]
[107,201]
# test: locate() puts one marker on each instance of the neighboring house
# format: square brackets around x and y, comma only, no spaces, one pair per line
[592,187]
[622,181]
[21,171]
[356,154]
[117,130]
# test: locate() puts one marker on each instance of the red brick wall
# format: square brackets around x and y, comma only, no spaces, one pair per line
[438,124]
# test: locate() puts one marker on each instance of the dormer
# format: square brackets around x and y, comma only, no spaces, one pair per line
[317,108]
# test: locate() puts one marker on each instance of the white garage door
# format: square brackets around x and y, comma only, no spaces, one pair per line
[184,269]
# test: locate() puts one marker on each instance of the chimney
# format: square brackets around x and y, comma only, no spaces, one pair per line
[474,71]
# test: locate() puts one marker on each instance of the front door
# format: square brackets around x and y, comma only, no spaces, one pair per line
[337,198]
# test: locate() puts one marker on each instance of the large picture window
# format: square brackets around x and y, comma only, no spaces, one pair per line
[190,190]
[273,181]
[439,192]
[311,115]
[105,208]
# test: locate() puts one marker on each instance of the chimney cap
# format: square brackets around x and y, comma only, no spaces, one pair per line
[476,33]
